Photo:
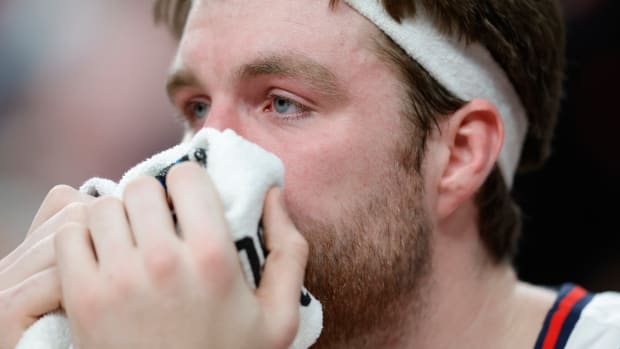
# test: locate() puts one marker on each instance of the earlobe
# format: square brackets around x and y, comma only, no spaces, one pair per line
[473,136]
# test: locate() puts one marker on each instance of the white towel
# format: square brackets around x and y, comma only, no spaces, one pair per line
[467,69]
[242,172]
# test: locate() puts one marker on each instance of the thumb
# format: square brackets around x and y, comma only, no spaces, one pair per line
[283,275]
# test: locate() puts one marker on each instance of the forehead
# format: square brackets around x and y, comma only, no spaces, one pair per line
[300,14]
[223,32]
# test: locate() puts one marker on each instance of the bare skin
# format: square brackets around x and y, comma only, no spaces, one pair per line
[29,283]
[196,280]
[304,82]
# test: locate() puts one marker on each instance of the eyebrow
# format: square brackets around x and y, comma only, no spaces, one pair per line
[319,77]
[179,78]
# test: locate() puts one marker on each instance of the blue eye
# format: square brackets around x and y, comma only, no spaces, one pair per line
[197,110]
[283,105]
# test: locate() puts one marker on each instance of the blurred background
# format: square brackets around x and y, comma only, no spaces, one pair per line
[82,95]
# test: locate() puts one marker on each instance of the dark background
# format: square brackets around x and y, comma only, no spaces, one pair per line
[570,208]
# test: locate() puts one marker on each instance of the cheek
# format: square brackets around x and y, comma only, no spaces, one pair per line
[323,178]
[336,168]
[310,186]
[311,174]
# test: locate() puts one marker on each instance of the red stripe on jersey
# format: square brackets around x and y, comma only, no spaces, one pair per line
[558,318]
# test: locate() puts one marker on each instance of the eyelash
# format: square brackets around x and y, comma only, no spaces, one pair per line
[304,111]
[185,112]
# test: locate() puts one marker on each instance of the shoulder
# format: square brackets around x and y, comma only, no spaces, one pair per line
[598,326]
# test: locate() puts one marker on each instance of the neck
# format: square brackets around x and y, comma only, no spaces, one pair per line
[471,301]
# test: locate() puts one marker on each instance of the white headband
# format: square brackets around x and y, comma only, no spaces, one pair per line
[466,70]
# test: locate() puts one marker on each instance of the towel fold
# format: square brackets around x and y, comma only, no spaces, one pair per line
[242,173]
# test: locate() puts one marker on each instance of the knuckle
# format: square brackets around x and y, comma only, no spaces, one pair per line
[55,201]
[71,215]
[214,265]
[161,264]
[60,195]
[71,227]
[123,285]
[67,230]
[75,212]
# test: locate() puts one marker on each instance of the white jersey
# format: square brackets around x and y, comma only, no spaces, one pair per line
[582,320]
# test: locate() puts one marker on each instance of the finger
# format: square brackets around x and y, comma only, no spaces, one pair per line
[37,258]
[75,256]
[149,215]
[33,297]
[57,198]
[74,212]
[23,304]
[197,206]
[109,229]
[283,275]
[55,202]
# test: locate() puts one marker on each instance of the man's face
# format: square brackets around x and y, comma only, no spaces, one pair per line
[305,82]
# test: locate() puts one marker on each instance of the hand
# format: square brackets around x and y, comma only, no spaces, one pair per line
[129,281]
[29,284]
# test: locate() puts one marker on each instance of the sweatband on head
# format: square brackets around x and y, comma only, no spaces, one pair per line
[466,70]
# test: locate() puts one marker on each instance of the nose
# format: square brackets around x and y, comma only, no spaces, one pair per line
[228,115]
[223,115]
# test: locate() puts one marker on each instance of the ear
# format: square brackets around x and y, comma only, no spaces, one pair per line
[473,137]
